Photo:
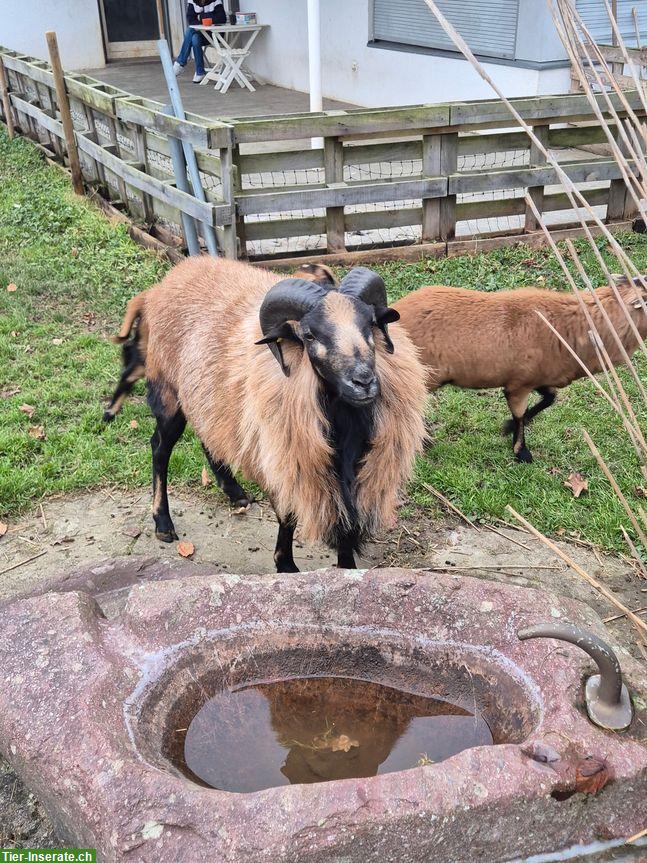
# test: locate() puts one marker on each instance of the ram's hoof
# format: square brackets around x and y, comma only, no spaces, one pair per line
[240,507]
[524,456]
[166,535]
[287,567]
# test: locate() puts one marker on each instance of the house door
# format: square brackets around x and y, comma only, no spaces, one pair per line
[130,27]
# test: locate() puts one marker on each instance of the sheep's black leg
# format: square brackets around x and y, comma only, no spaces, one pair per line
[283,552]
[227,481]
[548,396]
[167,433]
[345,556]
[518,403]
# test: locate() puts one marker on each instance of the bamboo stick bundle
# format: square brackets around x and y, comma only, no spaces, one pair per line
[627,139]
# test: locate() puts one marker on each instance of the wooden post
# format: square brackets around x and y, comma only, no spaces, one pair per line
[443,222]
[536,193]
[334,173]
[57,144]
[431,167]
[237,185]
[621,205]
[113,140]
[6,101]
[64,109]
[139,139]
[229,246]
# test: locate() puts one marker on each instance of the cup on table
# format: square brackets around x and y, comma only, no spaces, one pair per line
[207,22]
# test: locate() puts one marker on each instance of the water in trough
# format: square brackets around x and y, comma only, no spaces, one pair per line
[315,729]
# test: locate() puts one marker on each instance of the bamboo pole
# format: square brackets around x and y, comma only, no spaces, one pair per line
[574,194]
[634,552]
[614,485]
[64,108]
[6,101]
[640,624]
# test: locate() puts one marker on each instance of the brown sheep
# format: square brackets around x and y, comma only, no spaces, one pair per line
[327,421]
[479,340]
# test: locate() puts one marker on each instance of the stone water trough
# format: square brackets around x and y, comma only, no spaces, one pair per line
[98,688]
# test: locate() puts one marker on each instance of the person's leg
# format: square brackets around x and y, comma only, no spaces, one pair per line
[185,50]
[197,53]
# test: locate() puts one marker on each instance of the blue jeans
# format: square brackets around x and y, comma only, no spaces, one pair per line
[192,39]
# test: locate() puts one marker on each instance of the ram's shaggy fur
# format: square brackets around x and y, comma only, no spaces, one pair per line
[479,340]
[197,332]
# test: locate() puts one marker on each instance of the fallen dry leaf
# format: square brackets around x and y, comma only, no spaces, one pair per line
[57,341]
[640,491]
[37,432]
[134,424]
[343,743]
[576,483]
[3,528]
[12,391]
[74,252]
[11,287]
[591,775]
[27,409]
[185,549]
[131,530]
[205,479]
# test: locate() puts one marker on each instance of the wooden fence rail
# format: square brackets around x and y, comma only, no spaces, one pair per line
[425,179]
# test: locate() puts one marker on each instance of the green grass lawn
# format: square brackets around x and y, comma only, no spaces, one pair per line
[73,273]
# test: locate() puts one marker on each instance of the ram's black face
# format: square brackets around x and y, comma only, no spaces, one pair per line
[338,336]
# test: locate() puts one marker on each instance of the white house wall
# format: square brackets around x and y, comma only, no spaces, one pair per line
[76,22]
[354,72]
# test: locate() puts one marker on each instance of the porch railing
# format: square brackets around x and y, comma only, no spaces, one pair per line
[388,182]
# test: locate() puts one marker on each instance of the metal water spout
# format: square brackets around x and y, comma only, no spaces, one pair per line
[607,698]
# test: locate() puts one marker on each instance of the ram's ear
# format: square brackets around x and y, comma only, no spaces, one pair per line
[384,317]
[273,339]
[388,316]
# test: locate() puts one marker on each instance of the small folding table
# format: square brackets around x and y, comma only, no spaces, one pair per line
[232,44]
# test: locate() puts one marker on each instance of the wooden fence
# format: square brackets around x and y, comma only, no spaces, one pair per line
[388,182]
[614,57]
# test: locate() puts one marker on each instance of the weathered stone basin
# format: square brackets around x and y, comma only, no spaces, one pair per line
[90,708]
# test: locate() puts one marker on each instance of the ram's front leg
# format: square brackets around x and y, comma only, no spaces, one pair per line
[283,555]
[346,545]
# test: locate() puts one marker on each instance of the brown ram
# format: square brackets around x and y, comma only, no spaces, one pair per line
[327,421]
[479,340]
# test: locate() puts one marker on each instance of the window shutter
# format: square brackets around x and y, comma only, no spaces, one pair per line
[488,26]
[594,15]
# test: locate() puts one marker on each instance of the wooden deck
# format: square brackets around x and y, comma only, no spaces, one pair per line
[145,78]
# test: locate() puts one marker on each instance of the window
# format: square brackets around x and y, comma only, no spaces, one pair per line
[488,26]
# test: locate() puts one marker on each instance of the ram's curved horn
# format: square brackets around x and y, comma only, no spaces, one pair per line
[288,300]
[369,287]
